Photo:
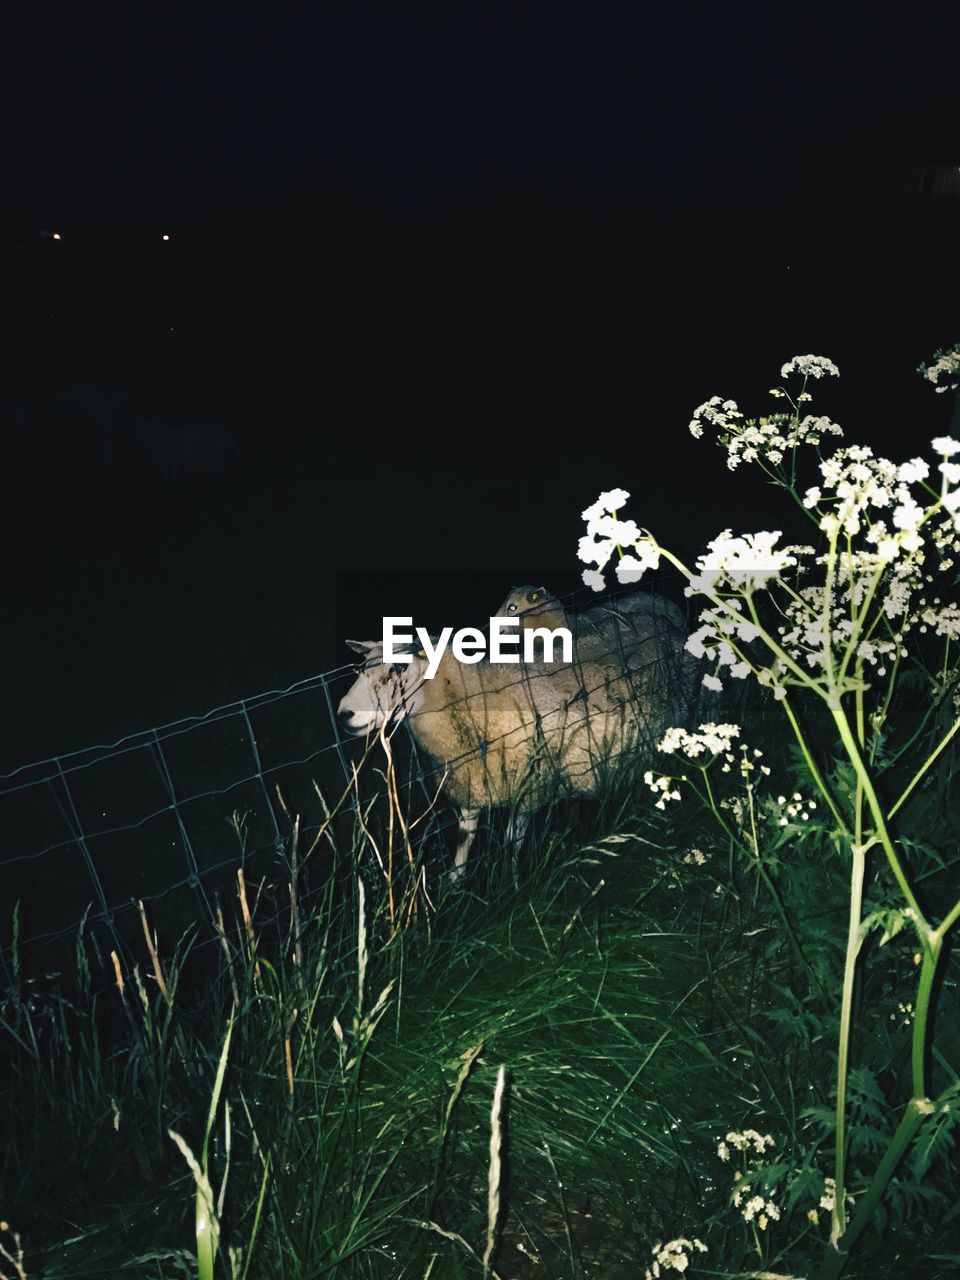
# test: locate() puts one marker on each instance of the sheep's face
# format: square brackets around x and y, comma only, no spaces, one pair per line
[382,692]
[535,606]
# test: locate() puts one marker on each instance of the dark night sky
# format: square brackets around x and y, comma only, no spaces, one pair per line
[128,109]
[442,272]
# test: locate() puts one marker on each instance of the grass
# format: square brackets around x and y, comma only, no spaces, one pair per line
[530,1079]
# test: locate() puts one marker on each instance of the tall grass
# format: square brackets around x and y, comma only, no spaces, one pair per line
[531,1078]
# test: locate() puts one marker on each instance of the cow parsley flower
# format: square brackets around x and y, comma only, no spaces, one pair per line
[810,367]
[793,808]
[631,568]
[710,737]
[607,534]
[913,471]
[662,786]
[945,621]
[623,533]
[607,504]
[744,1139]
[592,552]
[673,1256]
[839,614]
[944,370]
[767,439]
[744,563]
[868,501]
[716,412]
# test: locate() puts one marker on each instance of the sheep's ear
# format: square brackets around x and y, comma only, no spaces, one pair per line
[536,594]
[361,646]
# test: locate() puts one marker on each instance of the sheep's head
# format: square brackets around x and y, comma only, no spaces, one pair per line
[382,691]
[535,606]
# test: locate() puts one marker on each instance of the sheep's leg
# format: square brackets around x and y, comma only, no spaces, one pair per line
[469,821]
[517,827]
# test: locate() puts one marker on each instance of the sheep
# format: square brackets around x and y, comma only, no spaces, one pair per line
[516,735]
[599,632]
[534,607]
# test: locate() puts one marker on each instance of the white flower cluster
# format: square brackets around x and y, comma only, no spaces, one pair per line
[859,600]
[743,1141]
[715,637]
[828,1200]
[795,807]
[743,563]
[696,857]
[715,741]
[747,764]
[737,806]
[944,619]
[906,1010]
[755,1206]
[663,786]
[606,534]
[767,439]
[881,531]
[810,367]
[751,1206]
[715,738]
[673,1256]
[863,485]
[946,365]
[770,438]
[719,413]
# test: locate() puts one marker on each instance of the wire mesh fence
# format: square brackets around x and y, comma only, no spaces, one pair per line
[167,815]
[159,815]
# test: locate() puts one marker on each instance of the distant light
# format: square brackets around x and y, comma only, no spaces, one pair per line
[56,235]
[164,237]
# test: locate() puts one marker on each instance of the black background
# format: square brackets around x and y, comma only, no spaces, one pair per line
[442,273]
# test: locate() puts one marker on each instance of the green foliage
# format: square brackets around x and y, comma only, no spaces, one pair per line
[645,1005]
[735,1022]
[937,1137]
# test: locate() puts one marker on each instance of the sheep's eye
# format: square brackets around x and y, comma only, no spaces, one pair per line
[511,608]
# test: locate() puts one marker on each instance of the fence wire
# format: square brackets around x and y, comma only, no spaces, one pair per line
[162,816]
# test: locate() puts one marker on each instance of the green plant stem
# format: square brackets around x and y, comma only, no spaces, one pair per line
[811,766]
[876,811]
[842,1240]
[709,802]
[949,920]
[924,767]
[881,715]
[782,656]
[921,1014]
[857,869]
[917,1109]
[918,732]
